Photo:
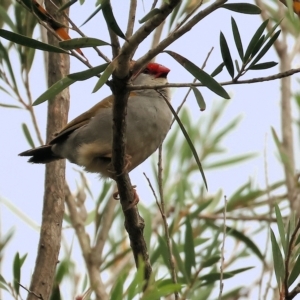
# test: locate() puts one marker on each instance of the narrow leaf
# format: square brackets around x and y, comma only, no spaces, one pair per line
[28,42]
[237,38]
[202,76]
[149,15]
[10,106]
[189,248]
[179,262]
[199,98]
[226,55]
[84,42]
[56,88]
[254,40]
[258,45]
[248,242]
[263,66]
[28,135]
[84,75]
[243,8]
[189,142]
[6,19]
[17,272]
[92,15]
[277,260]
[104,77]
[67,5]
[110,19]
[280,227]
[218,70]
[210,261]
[295,272]
[230,161]
[4,55]
[265,48]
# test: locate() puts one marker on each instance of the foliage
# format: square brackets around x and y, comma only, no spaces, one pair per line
[186,255]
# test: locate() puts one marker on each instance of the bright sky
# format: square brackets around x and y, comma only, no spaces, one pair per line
[258,104]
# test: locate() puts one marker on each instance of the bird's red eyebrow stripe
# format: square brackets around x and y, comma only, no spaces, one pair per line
[157,68]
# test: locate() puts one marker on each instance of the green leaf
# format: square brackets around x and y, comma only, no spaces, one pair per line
[179,262]
[248,242]
[210,261]
[280,226]
[161,291]
[218,70]
[174,14]
[189,142]
[28,42]
[202,76]
[6,19]
[149,15]
[104,77]
[230,161]
[163,250]
[237,38]
[92,15]
[17,272]
[4,55]
[263,66]
[258,45]
[84,75]
[83,42]
[265,48]
[110,19]
[254,40]
[295,272]
[243,8]
[277,260]
[189,247]
[199,98]
[226,55]
[117,291]
[215,276]
[28,135]
[55,89]
[10,106]
[67,5]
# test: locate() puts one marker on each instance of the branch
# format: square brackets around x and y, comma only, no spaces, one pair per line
[140,35]
[53,207]
[131,18]
[177,34]
[89,255]
[134,223]
[231,82]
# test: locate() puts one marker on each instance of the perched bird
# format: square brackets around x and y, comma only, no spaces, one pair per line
[87,140]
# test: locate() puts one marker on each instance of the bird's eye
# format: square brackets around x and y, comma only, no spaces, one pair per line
[146,71]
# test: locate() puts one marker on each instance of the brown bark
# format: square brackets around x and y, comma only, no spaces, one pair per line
[53,210]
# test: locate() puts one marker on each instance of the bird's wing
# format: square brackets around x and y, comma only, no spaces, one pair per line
[82,119]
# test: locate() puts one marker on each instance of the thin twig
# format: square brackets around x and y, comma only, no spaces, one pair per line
[190,89]
[84,242]
[75,28]
[31,110]
[176,35]
[31,292]
[164,218]
[264,268]
[131,18]
[188,16]
[247,81]
[223,250]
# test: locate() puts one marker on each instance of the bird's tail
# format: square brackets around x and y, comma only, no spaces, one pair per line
[40,155]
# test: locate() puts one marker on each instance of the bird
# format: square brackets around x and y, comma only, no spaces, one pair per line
[87,140]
